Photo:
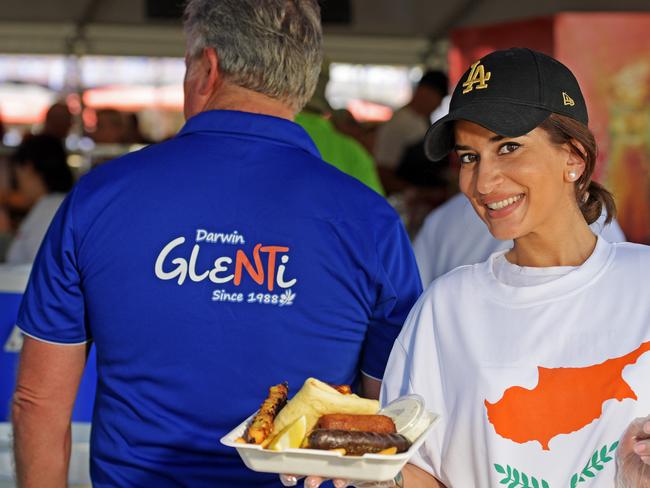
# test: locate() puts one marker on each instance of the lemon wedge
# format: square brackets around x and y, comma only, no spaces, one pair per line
[291,436]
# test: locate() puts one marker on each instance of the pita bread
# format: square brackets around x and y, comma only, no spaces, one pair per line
[316,398]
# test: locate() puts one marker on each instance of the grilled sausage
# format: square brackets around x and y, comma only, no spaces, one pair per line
[360,423]
[356,443]
[262,424]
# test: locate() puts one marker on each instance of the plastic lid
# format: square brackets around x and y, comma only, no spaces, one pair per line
[409,415]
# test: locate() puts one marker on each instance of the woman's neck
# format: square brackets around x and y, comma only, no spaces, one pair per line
[568,246]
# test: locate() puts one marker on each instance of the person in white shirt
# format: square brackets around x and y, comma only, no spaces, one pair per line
[43,178]
[453,235]
[537,360]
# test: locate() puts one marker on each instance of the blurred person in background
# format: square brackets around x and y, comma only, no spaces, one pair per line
[58,121]
[43,179]
[345,122]
[110,127]
[2,128]
[336,148]
[132,132]
[414,185]
[208,268]
[407,127]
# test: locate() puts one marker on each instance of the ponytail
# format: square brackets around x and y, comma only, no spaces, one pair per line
[593,200]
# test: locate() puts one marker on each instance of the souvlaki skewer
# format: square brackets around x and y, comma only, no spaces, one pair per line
[262,425]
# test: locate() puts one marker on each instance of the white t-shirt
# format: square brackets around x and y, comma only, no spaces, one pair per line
[453,235]
[535,384]
[30,234]
[404,129]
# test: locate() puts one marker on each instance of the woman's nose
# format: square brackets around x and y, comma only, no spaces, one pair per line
[488,176]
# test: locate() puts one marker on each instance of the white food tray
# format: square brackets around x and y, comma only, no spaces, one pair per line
[328,464]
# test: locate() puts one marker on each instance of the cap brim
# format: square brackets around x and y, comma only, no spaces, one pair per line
[505,119]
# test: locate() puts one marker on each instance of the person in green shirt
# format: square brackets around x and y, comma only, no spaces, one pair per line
[336,148]
[340,150]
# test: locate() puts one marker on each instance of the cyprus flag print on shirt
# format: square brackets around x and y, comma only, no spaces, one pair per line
[535,384]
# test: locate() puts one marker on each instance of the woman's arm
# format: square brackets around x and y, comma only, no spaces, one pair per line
[415,477]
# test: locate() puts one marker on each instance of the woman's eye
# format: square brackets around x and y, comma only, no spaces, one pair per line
[468,158]
[508,147]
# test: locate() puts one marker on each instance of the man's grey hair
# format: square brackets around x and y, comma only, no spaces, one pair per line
[273,47]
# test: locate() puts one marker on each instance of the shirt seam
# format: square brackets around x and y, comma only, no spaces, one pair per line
[49,341]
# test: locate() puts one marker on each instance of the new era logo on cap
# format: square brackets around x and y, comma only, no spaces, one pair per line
[509,92]
[567,100]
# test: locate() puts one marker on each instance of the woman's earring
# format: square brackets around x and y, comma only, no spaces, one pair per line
[572,175]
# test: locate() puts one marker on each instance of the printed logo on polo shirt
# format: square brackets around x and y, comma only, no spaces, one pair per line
[264,266]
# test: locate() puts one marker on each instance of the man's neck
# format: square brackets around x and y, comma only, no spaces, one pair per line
[231,97]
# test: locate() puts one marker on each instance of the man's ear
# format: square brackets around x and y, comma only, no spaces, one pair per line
[575,165]
[210,76]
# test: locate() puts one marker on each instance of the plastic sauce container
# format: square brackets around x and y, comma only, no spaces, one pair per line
[409,415]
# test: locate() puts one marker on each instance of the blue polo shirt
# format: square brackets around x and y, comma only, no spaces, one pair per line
[206,269]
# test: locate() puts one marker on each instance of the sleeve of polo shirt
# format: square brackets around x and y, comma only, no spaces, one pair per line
[52,308]
[398,288]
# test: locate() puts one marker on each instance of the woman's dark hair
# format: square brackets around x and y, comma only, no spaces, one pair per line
[48,157]
[590,196]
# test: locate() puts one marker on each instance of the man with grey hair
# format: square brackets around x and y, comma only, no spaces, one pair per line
[208,268]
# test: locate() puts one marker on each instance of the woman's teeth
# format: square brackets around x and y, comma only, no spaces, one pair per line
[503,203]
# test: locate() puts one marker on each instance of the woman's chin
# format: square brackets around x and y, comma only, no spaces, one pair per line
[503,234]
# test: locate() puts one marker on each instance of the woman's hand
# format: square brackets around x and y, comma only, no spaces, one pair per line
[315,482]
[410,475]
[633,456]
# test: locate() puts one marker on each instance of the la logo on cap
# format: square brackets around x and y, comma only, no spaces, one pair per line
[477,78]
[567,100]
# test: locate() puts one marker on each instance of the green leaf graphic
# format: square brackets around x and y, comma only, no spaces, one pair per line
[603,455]
[515,478]
[545,484]
[613,446]
[574,480]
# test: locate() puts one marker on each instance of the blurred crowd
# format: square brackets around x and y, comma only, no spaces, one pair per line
[388,157]
[36,175]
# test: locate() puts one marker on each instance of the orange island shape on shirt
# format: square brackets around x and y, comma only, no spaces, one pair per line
[563,401]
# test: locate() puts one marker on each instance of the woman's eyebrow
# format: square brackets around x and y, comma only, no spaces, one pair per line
[458,147]
[495,138]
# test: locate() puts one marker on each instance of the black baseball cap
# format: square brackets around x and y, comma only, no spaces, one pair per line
[509,92]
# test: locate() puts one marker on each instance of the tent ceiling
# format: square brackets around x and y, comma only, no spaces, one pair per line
[388,31]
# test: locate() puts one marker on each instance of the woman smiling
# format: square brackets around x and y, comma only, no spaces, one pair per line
[537,359]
